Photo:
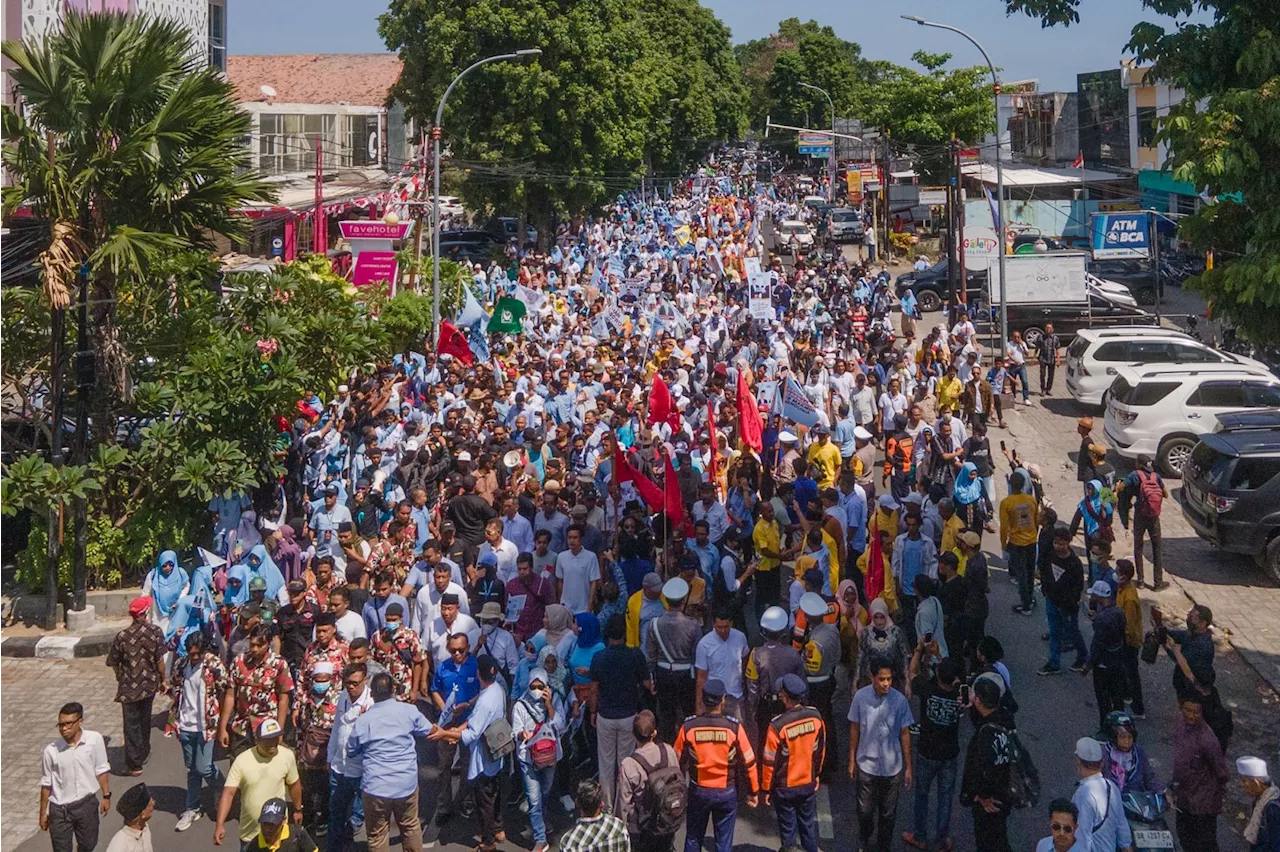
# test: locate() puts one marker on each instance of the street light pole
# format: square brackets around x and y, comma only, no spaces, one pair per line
[1000,226]
[831,158]
[435,183]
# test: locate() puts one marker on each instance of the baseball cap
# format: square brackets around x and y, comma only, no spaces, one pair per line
[464,456]
[1100,589]
[273,812]
[812,577]
[971,538]
[269,728]
[331,491]
[1089,749]
[792,684]
[296,586]
[713,689]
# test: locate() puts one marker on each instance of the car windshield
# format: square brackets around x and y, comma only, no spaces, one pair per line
[844,216]
[794,228]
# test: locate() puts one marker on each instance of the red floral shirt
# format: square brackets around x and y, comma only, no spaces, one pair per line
[257,691]
[398,657]
[215,684]
[335,652]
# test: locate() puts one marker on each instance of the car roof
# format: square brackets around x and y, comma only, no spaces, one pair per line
[786,222]
[1244,442]
[1247,419]
[1140,372]
[1122,331]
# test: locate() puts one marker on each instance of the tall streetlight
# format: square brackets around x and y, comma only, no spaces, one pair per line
[831,158]
[435,182]
[1000,226]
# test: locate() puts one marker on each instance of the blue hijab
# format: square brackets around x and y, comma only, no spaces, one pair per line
[1092,510]
[588,630]
[167,588]
[968,487]
[266,569]
[194,612]
[237,596]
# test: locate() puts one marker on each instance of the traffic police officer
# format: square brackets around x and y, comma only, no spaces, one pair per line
[673,641]
[765,665]
[795,748]
[820,649]
[716,756]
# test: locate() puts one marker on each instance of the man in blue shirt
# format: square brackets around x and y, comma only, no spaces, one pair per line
[383,737]
[453,691]
[913,554]
[375,611]
[483,772]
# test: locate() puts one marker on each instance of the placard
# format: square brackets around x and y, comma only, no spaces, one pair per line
[373,267]
[760,296]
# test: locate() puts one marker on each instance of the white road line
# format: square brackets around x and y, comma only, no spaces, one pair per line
[826,830]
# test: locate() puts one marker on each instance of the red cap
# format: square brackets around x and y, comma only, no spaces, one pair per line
[139,605]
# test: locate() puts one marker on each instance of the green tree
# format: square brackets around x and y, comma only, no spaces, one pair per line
[1222,138]
[812,53]
[147,159]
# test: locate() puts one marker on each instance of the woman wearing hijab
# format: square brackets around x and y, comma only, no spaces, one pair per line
[261,565]
[882,638]
[1095,514]
[588,645]
[245,536]
[285,551]
[165,584]
[967,496]
[853,618]
[557,669]
[929,614]
[558,630]
[538,715]
[237,591]
[528,662]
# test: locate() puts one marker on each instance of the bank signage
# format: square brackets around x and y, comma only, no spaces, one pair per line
[1121,235]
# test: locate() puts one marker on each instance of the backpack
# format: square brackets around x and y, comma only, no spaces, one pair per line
[1150,494]
[498,739]
[1024,780]
[660,811]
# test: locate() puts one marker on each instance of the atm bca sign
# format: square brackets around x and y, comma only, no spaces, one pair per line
[1121,235]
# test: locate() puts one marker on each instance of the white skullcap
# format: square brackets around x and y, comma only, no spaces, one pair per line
[322,667]
[1252,767]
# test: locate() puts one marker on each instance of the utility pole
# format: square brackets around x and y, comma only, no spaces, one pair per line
[952,264]
[53,549]
[319,242]
[417,214]
[884,191]
[964,276]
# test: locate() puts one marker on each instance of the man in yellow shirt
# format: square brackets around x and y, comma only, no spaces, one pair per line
[265,772]
[1019,530]
[951,527]
[767,539]
[1128,602]
[826,456]
[949,389]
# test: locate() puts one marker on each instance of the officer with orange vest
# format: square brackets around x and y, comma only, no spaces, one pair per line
[716,756]
[795,748]
[764,666]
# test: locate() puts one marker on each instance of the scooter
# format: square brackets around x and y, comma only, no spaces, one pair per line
[1145,812]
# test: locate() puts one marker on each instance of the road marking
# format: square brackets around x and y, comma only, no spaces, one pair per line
[826,830]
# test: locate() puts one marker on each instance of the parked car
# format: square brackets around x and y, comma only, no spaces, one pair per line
[846,225]
[1137,275]
[451,205]
[1161,410]
[795,236]
[505,228]
[1094,355]
[1231,492]
[469,244]
[931,286]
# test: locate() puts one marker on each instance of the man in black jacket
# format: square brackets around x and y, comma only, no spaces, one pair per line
[1062,582]
[985,785]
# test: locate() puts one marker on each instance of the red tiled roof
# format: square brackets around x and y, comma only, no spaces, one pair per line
[360,79]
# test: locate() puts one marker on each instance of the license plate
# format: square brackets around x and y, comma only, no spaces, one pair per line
[1153,839]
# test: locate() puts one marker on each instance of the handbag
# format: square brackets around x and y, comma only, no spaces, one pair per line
[313,752]
[1151,643]
[1105,532]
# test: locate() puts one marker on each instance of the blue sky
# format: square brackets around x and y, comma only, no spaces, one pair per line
[1017,44]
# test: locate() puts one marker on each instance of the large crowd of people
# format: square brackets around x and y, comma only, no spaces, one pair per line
[619,547]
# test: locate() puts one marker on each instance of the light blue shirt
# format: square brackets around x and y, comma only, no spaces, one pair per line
[383,737]
[880,721]
[855,512]
[490,706]
[1101,825]
[842,434]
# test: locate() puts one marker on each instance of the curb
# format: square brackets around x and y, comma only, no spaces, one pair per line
[56,647]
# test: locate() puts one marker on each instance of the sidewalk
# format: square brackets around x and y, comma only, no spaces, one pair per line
[20,641]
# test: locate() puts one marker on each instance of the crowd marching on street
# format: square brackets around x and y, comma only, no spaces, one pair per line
[621,545]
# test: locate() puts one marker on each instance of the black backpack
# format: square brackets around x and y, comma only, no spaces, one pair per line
[1024,780]
[661,810]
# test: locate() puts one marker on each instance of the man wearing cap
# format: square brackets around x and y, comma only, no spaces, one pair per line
[265,772]
[643,607]
[137,656]
[1106,651]
[817,632]
[794,753]
[1262,831]
[716,757]
[786,465]
[258,689]
[496,641]
[276,834]
[670,652]
[135,807]
[1098,801]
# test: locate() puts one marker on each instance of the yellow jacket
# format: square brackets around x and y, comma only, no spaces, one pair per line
[634,605]
[1019,520]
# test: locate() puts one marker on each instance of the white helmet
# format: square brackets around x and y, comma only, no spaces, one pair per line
[774,620]
[813,605]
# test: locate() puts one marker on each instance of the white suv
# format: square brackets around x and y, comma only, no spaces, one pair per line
[1094,355]
[1161,410]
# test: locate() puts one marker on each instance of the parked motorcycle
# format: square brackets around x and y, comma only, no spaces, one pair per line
[1145,813]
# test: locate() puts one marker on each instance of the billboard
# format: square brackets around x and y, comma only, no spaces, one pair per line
[815,143]
[1121,235]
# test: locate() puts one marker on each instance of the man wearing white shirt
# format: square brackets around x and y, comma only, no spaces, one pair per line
[577,574]
[345,802]
[503,550]
[73,771]
[450,621]
[1098,802]
[426,606]
[719,656]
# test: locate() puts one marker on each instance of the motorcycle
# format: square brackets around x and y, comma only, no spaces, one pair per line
[1145,813]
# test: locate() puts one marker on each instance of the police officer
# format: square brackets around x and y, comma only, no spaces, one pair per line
[821,651]
[765,665]
[673,641]
[795,748]
[716,756]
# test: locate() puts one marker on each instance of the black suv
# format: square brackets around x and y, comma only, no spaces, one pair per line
[1231,492]
[931,287]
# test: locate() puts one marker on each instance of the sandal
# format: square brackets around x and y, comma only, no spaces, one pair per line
[911,840]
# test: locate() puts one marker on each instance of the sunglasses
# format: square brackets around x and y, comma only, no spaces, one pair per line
[1067,829]
[354,682]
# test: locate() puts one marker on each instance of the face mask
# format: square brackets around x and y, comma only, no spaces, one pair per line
[393,626]
[487,629]
[319,688]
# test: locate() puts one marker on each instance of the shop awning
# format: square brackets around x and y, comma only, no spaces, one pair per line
[1015,175]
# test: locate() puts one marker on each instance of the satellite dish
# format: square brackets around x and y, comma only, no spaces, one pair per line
[268,91]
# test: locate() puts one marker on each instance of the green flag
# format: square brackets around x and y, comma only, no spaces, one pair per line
[508,316]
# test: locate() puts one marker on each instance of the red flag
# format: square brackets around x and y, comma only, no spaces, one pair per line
[454,342]
[662,408]
[750,429]
[624,472]
[711,433]
[1078,162]
[874,580]
[675,502]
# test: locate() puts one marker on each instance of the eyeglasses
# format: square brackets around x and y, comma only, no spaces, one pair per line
[456,651]
[70,724]
[355,682]
[1066,829]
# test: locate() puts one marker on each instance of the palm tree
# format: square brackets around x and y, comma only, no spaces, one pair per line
[133,150]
